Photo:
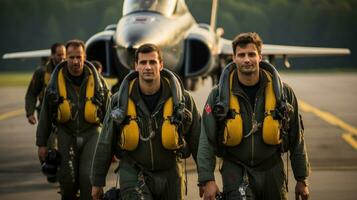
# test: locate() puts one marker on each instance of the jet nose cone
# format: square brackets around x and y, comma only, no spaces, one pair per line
[135,30]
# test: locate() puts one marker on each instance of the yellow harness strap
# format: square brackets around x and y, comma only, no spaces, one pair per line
[130,132]
[47,78]
[233,131]
[90,109]
[169,132]
[271,127]
[64,109]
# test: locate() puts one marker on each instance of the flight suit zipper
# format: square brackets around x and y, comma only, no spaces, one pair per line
[77,114]
[150,144]
[253,130]
[254,124]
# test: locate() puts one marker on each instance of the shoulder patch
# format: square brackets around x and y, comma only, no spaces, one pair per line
[208,108]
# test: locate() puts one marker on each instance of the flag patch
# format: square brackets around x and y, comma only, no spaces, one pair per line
[208,108]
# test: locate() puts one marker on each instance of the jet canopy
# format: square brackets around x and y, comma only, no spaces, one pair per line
[165,7]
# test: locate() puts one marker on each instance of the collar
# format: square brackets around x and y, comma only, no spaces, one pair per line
[237,89]
[50,66]
[86,72]
[136,97]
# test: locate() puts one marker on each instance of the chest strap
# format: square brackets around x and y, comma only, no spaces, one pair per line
[64,107]
[233,123]
[172,119]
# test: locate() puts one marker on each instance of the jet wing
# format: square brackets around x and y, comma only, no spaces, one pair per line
[28,54]
[301,51]
[225,47]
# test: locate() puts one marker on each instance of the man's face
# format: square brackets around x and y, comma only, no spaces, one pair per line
[59,55]
[75,59]
[247,59]
[148,66]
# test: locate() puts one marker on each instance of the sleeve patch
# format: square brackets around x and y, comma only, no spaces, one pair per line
[208,108]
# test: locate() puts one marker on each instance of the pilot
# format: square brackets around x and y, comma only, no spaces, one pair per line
[249,120]
[75,103]
[151,125]
[36,90]
[99,67]
[40,80]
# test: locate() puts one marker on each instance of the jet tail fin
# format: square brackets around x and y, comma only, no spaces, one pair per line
[214,15]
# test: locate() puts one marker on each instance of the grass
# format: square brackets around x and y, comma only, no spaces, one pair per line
[24,78]
[15,78]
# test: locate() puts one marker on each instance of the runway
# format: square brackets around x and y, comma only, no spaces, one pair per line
[327,104]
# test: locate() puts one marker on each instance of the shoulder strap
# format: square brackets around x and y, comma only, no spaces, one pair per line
[177,92]
[121,98]
[220,109]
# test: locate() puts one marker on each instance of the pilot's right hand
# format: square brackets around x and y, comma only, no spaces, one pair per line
[97,193]
[31,119]
[210,190]
[42,153]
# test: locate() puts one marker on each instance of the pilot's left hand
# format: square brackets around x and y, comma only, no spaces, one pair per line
[301,190]
[31,119]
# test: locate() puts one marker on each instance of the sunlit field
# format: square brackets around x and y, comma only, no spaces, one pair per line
[23,79]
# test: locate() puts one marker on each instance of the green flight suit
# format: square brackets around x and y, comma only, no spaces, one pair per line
[149,171]
[76,139]
[36,91]
[262,162]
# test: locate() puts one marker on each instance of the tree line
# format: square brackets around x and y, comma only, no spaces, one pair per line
[36,24]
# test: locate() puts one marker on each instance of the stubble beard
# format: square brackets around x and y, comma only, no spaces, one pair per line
[248,71]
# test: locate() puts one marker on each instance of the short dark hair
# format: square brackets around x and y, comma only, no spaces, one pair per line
[147,48]
[243,39]
[96,64]
[76,43]
[54,47]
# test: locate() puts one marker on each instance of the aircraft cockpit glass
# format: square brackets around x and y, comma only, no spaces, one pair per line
[165,7]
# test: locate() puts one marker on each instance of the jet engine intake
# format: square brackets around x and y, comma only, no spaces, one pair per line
[199,59]
[101,47]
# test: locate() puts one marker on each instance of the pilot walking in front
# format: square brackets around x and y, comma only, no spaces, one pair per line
[151,125]
[75,103]
[249,123]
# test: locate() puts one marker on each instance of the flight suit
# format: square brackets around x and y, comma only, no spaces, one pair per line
[262,163]
[76,139]
[150,171]
[36,89]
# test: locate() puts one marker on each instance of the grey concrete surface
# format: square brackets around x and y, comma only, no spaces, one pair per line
[333,161]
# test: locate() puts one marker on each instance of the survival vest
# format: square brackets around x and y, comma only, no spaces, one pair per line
[125,114]
[46,79]
[94,96]
[227,108]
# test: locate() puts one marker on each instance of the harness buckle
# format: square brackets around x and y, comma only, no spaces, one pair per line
[255,128]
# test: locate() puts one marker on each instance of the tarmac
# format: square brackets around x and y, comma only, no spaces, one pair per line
[327,104]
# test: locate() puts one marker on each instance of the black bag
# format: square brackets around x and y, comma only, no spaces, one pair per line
[112,194]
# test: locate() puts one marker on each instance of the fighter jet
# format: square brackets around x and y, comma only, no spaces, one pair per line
[192,50]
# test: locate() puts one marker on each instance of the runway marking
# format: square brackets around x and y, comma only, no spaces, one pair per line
[348,137]
[333,120]
[13,113]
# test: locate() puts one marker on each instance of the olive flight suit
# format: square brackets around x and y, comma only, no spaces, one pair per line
[150,171]
[252,165]
[76,138]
